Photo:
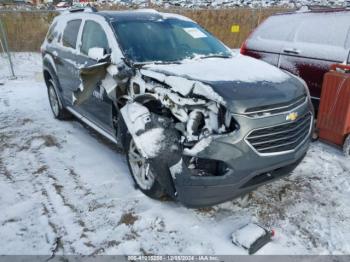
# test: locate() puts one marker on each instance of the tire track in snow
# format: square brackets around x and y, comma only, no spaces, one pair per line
[56,186]
[42,180]
[62,193]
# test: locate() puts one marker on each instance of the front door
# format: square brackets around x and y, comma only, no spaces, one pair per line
[98,108]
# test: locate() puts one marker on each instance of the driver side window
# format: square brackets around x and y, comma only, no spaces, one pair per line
[93,36]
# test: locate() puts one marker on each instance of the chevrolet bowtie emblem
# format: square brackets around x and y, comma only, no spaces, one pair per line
[292,116]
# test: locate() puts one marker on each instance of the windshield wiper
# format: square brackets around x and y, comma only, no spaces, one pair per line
[140,64]
[167,62]
[215,56]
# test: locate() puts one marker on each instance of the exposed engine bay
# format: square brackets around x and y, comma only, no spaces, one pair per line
[151,101]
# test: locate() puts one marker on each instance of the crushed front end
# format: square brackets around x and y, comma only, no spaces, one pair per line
[211,141]
[259,151]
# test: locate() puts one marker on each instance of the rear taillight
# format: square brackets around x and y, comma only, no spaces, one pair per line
[244,47]
[244,50]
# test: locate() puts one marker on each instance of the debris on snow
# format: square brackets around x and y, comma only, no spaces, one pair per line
[247,234]
[251,237]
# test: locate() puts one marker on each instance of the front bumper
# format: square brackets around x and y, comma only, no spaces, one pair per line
[247,169]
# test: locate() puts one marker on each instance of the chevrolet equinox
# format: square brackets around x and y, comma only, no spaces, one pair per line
[197,121]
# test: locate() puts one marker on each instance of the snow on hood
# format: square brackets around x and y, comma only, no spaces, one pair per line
[239,83]
[238,68]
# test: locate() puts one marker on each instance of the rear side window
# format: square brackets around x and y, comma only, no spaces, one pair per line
[52,33]
[325,29]
[93,36]
[70,33]
[279,27]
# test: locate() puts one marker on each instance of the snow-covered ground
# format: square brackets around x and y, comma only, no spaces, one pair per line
[65,190]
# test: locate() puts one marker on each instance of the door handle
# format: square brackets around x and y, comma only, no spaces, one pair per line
[293,51]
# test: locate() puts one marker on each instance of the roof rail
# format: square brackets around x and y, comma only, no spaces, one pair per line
[308,8]
[90,9]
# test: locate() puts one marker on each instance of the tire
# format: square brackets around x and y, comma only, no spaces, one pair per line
[346,147]
[57,108]
[142,171]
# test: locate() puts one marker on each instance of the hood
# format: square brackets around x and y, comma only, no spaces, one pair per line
[242,82]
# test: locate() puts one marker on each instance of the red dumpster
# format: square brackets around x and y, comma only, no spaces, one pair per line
[333,120]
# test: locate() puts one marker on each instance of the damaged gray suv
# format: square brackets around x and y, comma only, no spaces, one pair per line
[198,122]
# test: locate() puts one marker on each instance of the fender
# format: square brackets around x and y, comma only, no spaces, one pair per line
[48,60]
[50,68]
[137,118]
[156,139]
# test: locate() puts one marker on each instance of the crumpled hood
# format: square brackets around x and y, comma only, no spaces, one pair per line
[242,96]
[241,81]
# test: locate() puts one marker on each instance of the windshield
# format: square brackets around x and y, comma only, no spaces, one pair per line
[167,40]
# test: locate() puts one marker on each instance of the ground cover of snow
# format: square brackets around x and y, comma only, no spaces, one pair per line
[66,190]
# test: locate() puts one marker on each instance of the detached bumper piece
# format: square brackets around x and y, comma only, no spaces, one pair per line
[334,111]
[252,237]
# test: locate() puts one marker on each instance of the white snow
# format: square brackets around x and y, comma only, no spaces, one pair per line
[175,16]
[96,53]
[64,189]
[238,68]
[179,84]
[184,86]
[199,147]
[150,141]
[136,116]
[176,169]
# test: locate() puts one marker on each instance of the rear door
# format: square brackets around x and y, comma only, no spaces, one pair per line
[66,59]
[319,41]
[267,41]
[98,108]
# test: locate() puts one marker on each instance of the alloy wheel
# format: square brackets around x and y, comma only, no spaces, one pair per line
[140,168]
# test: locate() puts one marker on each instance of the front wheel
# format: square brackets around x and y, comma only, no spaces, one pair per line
[142,172]
[58,110]
[346,147]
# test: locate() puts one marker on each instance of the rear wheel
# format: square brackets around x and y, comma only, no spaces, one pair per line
[346,147]
[57,108]
[143,172]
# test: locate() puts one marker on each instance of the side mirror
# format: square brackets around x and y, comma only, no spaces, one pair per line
[98,54]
